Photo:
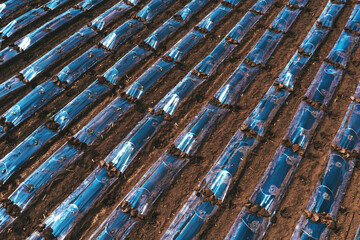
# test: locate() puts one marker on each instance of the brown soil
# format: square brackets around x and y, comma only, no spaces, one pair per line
[173,198]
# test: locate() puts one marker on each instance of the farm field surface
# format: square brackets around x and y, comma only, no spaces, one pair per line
[179,119]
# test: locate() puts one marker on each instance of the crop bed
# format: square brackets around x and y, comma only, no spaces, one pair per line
[179,119]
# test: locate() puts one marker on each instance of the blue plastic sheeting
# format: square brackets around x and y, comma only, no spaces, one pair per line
[190,9]
[326,197]
[194,213]
[349,132]
[122,33]
[79,66]
[10,6]
[10,85]
[219,177]
[163,32]
[303,125]
[66,215]
[37,98]
[159,176]
[35,36]
[230,91]
[123,224]
[313,39]
[247,226]
[6,54]
[208,65]
[292,69]
[262,6]
[21,22]
[184,45]
[104,120]
[263,49]
[242,27]
[195,132]
[39,179]
[285,19]
[21,153]
[173,99]
[50,58]
[329,14]
[125,152]
[353,23]
[147,79]
[5,219]
[79,103]
[214,17]
[260,118]
[276,176]
[88,4]
[336,170]
[324,84]
[121,67]
[55,3]
[108,17]
[340,53]
[153,9]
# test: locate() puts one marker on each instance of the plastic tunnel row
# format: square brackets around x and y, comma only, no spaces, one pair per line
[36,178]
[254,218]
[115,163]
